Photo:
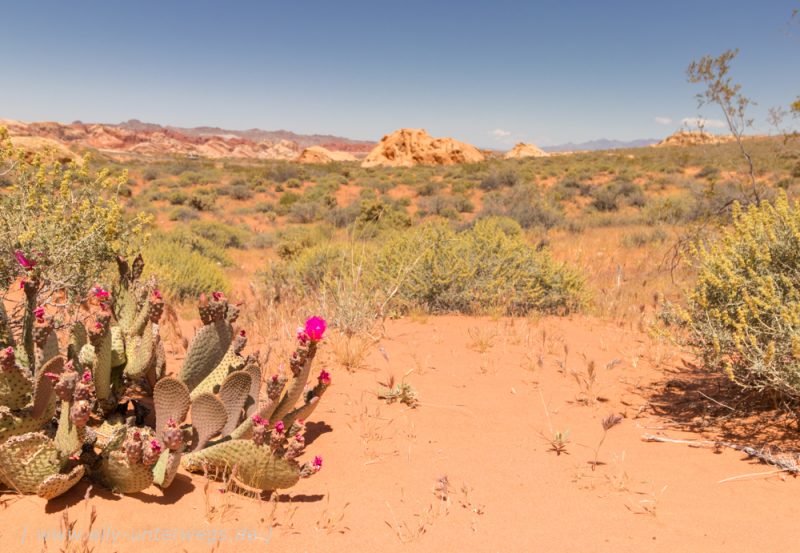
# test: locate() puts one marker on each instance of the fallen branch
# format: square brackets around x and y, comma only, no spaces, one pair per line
[765,456]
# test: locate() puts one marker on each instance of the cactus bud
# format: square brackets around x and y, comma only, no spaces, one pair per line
[79,413]
[173,436]
[133,448]
[151,450]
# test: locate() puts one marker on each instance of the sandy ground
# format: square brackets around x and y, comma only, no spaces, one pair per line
[472,467]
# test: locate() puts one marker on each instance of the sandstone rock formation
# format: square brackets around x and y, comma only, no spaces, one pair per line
[318,154]
[693,138]
[522,150]
[409,147]
[155,141]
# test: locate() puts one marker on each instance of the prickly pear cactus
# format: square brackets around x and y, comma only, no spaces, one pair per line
[105,410]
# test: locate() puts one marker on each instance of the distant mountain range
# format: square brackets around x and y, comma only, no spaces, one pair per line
[256,135]
[601,144]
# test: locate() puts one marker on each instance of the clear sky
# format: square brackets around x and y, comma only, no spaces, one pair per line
[487,72]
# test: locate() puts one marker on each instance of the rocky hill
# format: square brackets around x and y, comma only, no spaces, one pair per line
[693,138]
[523,150]
[318,154]
[410,147]
[154,140]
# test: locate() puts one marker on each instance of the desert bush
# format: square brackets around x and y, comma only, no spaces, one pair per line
[378,216]
[485,268]
[65,218]
[281,172]
[221,234]
[239,192]
[307,212]
[499,179]
[525,204]
[203,200]
[183,213]
[641,238]
[183,272]
[293,240]
[743,314]
[608,196]
[177,197]
[442,206]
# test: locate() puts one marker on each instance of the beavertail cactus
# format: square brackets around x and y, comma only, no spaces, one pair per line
[120,421]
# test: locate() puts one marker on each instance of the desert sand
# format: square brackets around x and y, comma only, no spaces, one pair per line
[472,467]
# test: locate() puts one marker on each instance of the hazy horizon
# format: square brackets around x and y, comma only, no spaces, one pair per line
[491,74]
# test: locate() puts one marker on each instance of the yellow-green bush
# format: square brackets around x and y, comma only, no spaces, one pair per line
[744,311]
[485,268]
[64,216]
[183,273]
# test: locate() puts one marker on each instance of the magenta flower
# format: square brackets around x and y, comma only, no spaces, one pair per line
[157,294]
[100,293]
[52,376]
[280,427]
[39,313]
[26,263]
[315,328]
[317,464]
[243,334]
[155,446]
[217,296]
[9,351]
[87,376]
[258,420]
[324,377]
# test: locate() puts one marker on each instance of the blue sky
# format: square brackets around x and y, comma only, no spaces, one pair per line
[487,72]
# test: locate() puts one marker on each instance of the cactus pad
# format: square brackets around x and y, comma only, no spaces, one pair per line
[253,465]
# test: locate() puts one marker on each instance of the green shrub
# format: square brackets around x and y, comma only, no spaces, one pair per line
[203,200]
[499,179]
[221,234]
[477,270]
[183,273]
[743,315]
[66,218]
[183,213]
[293,240]
[525,204]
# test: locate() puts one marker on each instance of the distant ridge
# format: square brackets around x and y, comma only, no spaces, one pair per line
[601,144]
[257,135]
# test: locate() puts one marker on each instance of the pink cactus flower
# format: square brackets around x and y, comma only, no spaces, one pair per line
[155,446]
[315,328]
[243,334]
[87,376]
[274,377]
[157,294]
[24,262]
[100,293]
[317,462]
[137,435]
[53,377]
[39,313]
[10,351]
[258,420]
[217,296]
[280,427]
[98,326]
